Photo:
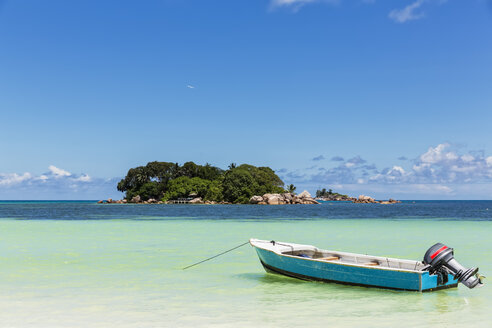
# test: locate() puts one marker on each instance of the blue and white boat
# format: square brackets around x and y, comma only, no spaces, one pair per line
[311,263]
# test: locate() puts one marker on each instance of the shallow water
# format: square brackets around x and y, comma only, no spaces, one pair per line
[81,264]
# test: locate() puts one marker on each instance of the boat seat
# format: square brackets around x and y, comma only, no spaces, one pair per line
[329,258]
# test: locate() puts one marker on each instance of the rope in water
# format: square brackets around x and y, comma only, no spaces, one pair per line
[229,250]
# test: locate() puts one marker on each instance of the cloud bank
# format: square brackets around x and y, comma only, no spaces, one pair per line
[56,183]
[441,170]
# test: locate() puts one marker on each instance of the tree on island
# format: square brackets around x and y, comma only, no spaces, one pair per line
[167,181]
[323,193]
[291,188]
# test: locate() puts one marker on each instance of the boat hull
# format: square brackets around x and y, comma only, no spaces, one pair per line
[314,270]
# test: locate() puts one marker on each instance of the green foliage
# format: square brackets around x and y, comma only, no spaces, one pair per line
[244,181]
[215,191]
[166,180]
[291,188]
[329,194]
[183,186]
[150,190]
[237,183]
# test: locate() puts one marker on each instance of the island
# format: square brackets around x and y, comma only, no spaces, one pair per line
[167,182]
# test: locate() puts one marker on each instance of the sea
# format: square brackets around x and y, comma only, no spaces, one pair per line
[82,264]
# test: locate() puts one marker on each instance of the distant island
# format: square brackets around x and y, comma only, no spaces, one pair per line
[190,183]
[329,195]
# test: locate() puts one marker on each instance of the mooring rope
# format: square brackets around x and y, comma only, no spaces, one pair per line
[229,250]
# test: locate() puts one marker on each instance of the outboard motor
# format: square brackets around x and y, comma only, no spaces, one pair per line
[440,255]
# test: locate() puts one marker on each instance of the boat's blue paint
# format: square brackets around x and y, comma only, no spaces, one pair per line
[351,274]
[430,281]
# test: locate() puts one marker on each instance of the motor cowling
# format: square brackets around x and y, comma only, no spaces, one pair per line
[440,255]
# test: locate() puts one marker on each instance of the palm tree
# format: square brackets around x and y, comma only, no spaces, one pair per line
[232,166]
[291,188]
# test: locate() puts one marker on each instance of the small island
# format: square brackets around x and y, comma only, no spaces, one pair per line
[166,182]
[190,183]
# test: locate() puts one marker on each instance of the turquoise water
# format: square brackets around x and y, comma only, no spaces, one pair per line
[121,265]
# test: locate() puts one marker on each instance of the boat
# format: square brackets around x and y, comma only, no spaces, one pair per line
[439,270]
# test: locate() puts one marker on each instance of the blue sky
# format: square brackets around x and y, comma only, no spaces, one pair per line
[387,98]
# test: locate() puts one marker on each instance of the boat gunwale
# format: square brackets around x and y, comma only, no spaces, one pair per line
[251,241]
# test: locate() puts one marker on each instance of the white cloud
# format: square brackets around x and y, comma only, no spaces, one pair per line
[57,183]
[436,154]
[279,3]
[296,4]
[83,178]
[7,179]
[413,11]
[189,86]
[467,158]
[58,172]
[489,161]
[43,177]
[433,171]
[397,170]
[408,13]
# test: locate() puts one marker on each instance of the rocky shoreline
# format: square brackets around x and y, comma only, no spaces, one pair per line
[369,200]
[267,199]
[285,198]
[138,200]
[362,199]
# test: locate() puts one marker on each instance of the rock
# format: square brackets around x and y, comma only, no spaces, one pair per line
[296,200]
[273,199]
[124,201]
[304,194]
[309,201]
[152,200]
[136,199]
[109,201]
[288,197]
[100,202]
[390,201]
[255,199]
[367,198]
[160,202]
[285,198]
[197,200]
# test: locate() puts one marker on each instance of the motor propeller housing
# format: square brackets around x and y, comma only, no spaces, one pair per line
[440,255]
